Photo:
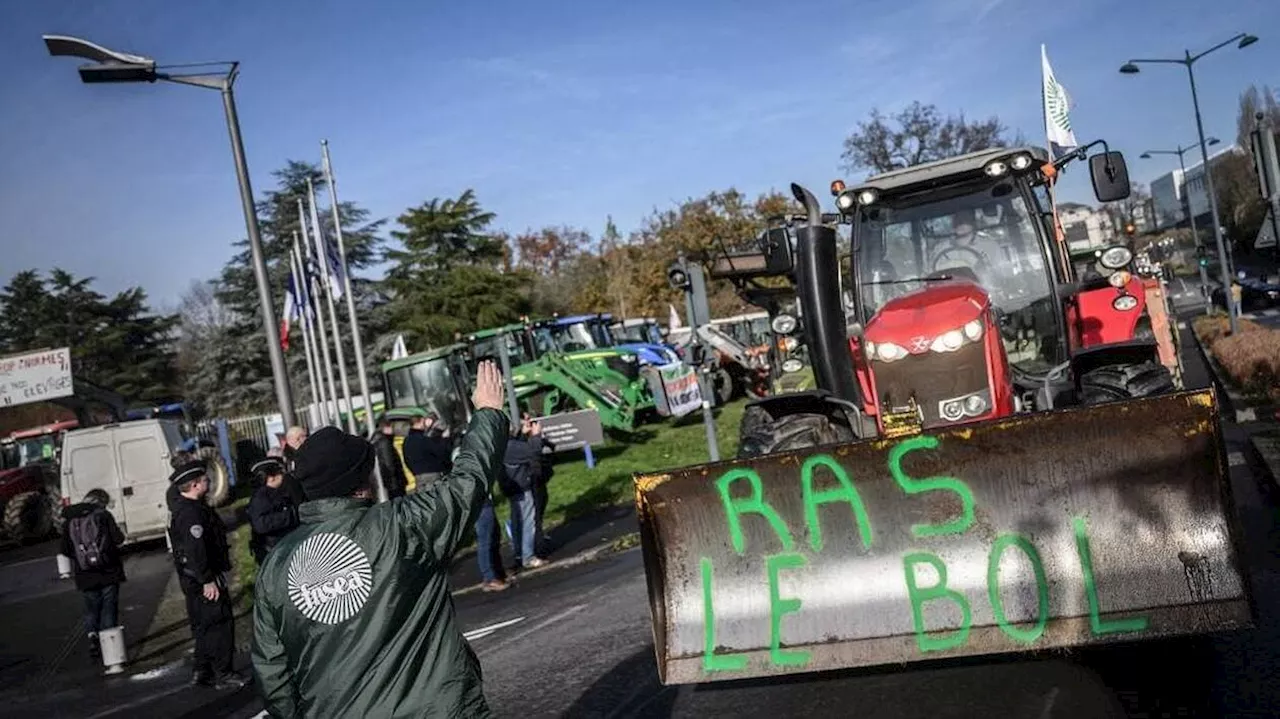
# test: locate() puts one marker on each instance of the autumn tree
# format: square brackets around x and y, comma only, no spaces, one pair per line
[557,261]
[916,135]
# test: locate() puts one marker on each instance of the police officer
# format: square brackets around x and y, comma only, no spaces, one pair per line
[272,511]
[201,558]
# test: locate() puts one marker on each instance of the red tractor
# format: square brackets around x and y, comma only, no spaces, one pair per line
[966,305]
[29,482]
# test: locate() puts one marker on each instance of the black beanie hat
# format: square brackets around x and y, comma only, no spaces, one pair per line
[332,463]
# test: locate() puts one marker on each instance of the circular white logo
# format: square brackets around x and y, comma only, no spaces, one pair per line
[329,578]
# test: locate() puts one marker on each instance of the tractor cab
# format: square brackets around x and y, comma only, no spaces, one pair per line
[435,382]
[648,344]
[638,330]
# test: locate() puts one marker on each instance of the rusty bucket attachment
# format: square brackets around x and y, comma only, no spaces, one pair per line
[1111,523]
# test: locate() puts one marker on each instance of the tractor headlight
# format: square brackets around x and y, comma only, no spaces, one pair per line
[867,197]
[973,330]
[792,365]
[783,324]
[1020,161]
[845,201]
[1113,258]
[995,168]
[1124,303]
[952,410]
[1119,279]
[948,341]
[888,352]
[975,404]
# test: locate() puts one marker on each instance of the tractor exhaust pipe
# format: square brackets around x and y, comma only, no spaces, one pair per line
[818,286]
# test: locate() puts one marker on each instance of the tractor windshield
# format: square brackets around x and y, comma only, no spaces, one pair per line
[645,332]
[984,233]
[36,449]
[564,338]
[430,386]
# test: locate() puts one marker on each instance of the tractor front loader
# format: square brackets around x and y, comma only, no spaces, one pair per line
[992,463]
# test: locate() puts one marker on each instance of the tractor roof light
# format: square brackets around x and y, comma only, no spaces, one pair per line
[867,197]
[845,201]
[1020,162]
[1115,257]
[783,324]
[996,168]
[837,186]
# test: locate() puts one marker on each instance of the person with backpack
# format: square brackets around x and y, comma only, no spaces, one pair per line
[92,539]
[272,511]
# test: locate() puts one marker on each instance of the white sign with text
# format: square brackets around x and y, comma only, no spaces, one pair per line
[35,377]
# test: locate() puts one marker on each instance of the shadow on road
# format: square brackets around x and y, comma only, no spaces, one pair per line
[631,689]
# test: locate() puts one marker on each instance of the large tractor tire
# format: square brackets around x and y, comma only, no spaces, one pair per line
[1111,383]
[760,435]
[722,385]
[55,512]
[219,477]
[27,516]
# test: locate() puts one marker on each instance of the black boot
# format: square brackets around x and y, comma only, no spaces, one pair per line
[231,680]
[201,678]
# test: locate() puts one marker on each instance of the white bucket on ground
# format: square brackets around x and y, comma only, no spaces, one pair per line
[113,653]
[64,566]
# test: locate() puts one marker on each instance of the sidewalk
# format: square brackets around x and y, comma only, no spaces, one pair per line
[573,542]
[1261,420]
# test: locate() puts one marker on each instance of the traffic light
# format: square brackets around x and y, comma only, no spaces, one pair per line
[1202,255]
[677,277]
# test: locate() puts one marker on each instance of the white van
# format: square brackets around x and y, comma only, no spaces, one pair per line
[130,460]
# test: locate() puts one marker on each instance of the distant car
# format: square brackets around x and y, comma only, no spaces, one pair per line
[1255,294]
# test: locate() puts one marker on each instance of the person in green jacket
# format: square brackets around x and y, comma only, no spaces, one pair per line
[352,615]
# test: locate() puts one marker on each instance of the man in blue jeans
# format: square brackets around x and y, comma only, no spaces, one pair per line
[522,465]
[488,551]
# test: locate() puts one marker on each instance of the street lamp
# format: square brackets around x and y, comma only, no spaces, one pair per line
[115,66]
[1242,40]
[1186,196]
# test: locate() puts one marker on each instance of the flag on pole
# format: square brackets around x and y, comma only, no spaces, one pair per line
[398,350]
[1057,104]
[673,318]
[289,312]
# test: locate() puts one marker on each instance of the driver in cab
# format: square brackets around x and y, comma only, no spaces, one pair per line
[979,250]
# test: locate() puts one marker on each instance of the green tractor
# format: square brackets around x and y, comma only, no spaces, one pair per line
[437,381]
[551,375]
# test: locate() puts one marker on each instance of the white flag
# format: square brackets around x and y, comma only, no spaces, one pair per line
[1057,123]
[398,350]
[673,319]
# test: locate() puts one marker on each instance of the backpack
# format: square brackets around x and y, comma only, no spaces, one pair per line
[90,540]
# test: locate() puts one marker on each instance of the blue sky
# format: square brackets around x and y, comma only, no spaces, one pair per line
[555,112]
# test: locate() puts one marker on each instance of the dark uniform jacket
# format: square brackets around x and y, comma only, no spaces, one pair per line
[389,464]
[111,570]
[424,454]
[272,514]
[199,541]
[352,615]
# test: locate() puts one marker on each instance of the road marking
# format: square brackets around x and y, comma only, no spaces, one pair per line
[1235,459]
[486,631]
[1246,415]
[540,625]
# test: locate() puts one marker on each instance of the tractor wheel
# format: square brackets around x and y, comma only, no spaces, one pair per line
[1125,381]
[28,516]
[759,435]
[722,386]
[55,511]
[219,477]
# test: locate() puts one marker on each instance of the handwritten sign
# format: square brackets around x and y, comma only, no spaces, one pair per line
[1049,530]
[572,430]
[681,393]
[35,377]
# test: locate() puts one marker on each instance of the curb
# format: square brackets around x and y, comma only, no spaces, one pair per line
[1266,450]
[587,555]
[1240,406]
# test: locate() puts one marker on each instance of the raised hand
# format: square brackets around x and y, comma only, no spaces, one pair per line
[489,391]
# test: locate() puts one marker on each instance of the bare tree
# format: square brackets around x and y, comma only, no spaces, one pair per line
[922,135]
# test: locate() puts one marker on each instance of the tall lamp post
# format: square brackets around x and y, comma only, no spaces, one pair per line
[1186,197]
[114,66]
[1242,40]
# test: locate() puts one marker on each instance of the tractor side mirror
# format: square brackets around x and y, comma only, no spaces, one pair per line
[776,245]
[1110,176]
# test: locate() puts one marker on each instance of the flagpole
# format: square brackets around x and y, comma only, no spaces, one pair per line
[357,344]
[1050,187]
[308,322]
[322,251]
[298,294]
[321,333]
